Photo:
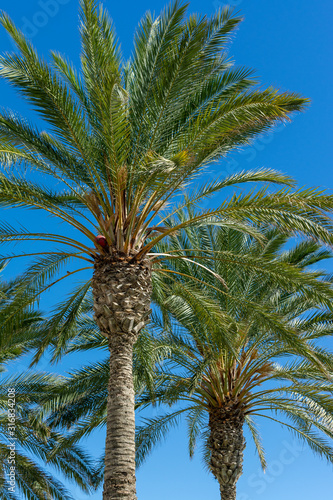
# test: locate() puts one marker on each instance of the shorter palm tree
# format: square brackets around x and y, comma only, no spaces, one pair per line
[224,376]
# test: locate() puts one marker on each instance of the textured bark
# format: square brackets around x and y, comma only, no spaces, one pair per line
[122,292]
[226,444]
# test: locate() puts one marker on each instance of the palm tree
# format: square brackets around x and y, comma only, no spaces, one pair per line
[260,360]
[24,438]
[121,142]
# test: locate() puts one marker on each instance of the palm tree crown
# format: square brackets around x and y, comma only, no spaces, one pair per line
[122,139]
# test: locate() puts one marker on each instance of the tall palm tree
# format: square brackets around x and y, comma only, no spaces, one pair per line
[273,367]
[120,142]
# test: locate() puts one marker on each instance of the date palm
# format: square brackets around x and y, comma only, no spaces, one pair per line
[119,142]
[273,366]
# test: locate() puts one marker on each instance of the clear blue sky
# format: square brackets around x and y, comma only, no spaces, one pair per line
[289,43]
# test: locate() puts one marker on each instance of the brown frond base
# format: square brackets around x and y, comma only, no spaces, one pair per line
[122,292]
[226,444]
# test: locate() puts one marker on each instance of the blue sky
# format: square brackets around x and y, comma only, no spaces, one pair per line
[290,46]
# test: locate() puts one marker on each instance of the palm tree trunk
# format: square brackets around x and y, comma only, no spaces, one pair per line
[226,443]
[122,292]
